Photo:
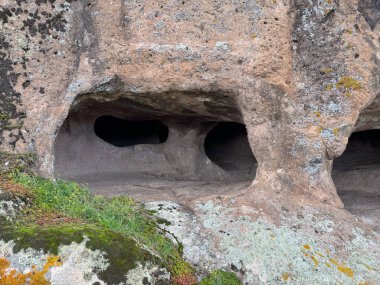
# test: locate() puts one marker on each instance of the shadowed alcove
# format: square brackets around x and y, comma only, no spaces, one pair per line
[121,146]
[356,174]
[122,133]
[227,146]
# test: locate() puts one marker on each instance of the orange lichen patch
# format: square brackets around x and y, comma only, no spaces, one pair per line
[10,276]
[4,264]
[363,283]
[317,113]
[315,260]
[342,268]
[285,276]
[15,188]
[336,131]
[320,254]
[310,255]
[328,264]
[328,87]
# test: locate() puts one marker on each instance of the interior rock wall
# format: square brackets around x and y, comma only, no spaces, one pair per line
[79,152]
[296,73]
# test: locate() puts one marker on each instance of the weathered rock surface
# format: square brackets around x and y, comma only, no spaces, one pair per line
[309,246]
[302,76]
[297,74]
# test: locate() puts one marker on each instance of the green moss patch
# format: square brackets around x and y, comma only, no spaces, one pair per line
[123,253]
[121,215]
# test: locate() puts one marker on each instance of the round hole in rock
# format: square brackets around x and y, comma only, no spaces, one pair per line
[227,146]
[121,133]
[356,174]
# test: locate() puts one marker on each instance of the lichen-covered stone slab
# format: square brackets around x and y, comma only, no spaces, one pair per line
[310,246]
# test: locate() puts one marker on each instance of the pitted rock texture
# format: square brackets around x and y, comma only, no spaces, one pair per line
[305,246]
[300,75]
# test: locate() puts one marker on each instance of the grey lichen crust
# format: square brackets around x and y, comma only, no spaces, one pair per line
[10,205]
[80,265]
[79,262]
[83,260]
[302,249]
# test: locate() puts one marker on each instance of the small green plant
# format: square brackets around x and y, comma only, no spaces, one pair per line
[119,214]
[4,117]
[219,277]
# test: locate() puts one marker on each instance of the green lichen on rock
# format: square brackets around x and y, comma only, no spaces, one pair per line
[4,116]
[348,83]
[300,250]
[10,162]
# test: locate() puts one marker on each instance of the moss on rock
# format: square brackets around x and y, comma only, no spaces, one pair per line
[219,277]
[122,253]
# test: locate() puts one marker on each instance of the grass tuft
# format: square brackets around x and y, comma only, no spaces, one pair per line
[119,214]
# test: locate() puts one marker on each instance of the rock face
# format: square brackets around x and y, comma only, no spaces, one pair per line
[236,110]
[301,76]
[303,248]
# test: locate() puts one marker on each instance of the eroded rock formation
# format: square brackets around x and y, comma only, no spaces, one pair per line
[191,100]
[298,74]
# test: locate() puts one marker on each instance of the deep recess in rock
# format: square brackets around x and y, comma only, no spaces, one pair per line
[362,152]
[120,133]
[371,11]
[227,145]
[120,140]
[356,175]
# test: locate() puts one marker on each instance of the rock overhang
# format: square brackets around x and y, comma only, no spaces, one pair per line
[276,67]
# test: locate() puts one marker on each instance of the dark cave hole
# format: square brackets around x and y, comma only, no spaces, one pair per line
[121,133]
[227,146]
[356,174]
[363,151]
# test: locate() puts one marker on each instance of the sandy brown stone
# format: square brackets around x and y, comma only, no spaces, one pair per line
[301,75]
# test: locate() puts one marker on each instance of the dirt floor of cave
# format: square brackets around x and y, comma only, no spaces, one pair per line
[158,189]
[366,206]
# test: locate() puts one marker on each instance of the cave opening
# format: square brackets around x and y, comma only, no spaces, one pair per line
[121,133]
[120,147]
[227,146]
[356,174]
